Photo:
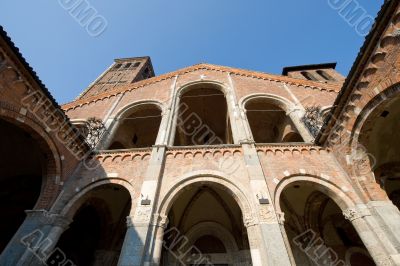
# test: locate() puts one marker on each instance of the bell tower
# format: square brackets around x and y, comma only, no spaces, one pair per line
[122,71]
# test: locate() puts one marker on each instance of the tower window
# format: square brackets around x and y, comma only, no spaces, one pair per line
[128,65]
[146,73]
[325,75]
[384,114]
[135,139]
[309,76]
[117,66]
[136,64]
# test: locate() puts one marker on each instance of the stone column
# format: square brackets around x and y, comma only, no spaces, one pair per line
[132,253]
[140,234]
[35,239]
[387,215]
[295,114]
[254,235]
[271,241]
[111,124]
[239,123]
[378,246]
[281,221]
[156,249]
[141,238]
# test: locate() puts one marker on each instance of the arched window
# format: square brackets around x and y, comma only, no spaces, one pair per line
[269,122]
[203,117]
[137,128]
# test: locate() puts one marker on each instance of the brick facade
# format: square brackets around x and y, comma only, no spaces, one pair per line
[254,176]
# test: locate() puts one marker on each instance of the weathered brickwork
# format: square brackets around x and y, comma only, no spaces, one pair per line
[229,164]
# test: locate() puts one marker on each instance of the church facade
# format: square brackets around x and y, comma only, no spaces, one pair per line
[207,165]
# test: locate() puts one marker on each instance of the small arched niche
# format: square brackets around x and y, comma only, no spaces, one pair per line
[269,122]
[137,127]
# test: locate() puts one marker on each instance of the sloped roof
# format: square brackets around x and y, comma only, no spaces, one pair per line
[209,67]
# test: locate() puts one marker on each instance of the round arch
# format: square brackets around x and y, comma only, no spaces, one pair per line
[215,128]
[74,203]
[193,84]
[215,178]
[216,230]
[326,187]
[52,172]
[137,106]
[369,108]
[129,133]
[275,121]
[279,101]
[373,145]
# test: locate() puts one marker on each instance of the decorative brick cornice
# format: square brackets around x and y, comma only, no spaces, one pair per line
[208,67]
[204,151]
[124,155]
[290,149]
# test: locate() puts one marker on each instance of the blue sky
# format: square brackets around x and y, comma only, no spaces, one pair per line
[261,35]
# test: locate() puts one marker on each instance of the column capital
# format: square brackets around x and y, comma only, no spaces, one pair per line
[281,217]
[142,216]
[129,221]
[247,142]
[48,218]
[355,213]
[160,220]
[249,221]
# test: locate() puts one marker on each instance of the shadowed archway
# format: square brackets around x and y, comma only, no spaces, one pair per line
[96,235]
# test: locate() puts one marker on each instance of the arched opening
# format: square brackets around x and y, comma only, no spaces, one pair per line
[309,76]
[23,165]
[137,128]
[325,75]
[313,219]
[379,136]
[269,122]
[214,234]
[292,137]
[96,235]
[203,117]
